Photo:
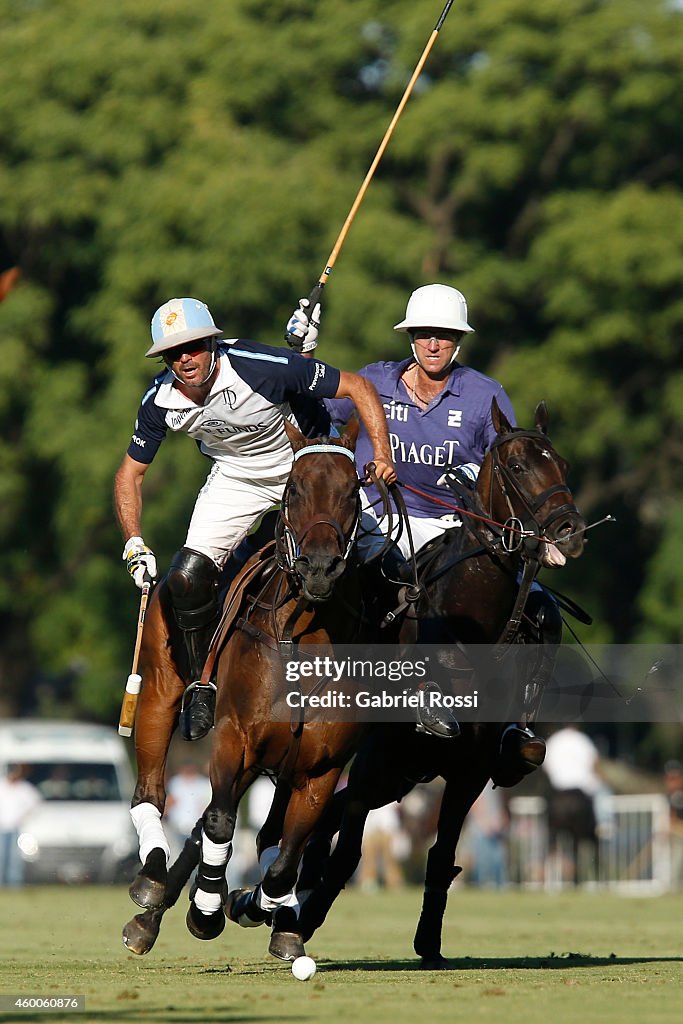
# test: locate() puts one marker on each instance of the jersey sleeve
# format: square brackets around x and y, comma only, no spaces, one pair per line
[279,375]
[150,427]
[311,415]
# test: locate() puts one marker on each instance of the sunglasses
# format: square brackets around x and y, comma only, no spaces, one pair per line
[442,334]
[190,348]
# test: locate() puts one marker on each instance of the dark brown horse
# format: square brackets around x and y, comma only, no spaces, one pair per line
[472,597]
[311,596]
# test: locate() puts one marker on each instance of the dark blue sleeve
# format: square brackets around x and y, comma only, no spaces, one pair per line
[150,427]
[279,375]
[311,415]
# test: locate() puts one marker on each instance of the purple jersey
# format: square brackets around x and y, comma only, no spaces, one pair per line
[455,428]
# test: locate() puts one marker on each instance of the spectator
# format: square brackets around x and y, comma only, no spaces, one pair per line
[188,795]
[383,840]
[486,839]
[18,798]
[673,783]
[572,766]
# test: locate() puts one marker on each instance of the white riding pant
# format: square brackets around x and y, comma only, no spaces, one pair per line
[227,507]
[373,530]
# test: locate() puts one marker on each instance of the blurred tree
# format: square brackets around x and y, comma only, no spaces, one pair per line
[216,150]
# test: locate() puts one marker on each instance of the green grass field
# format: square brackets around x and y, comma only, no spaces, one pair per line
[515,957]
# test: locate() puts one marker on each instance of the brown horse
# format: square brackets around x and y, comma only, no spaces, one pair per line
[472,597]
[311,596]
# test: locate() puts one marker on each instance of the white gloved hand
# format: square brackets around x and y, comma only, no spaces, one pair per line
[302,327]
[470,470]
[467,472]
[140,561]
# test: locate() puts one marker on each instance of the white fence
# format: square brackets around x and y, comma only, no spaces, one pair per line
[633,856]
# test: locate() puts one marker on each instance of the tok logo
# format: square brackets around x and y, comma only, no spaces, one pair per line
[455,417]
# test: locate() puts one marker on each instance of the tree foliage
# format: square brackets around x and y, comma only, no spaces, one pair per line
[214,150]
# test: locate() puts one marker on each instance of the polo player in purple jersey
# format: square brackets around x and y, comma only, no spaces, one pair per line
[438,415]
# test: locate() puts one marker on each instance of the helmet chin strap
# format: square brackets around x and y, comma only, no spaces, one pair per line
[212,367]
[450,361]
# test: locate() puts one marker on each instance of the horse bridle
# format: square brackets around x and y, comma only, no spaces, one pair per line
[288,541]
[529,531]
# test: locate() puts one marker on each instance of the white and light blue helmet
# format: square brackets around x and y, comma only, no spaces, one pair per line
[180,320]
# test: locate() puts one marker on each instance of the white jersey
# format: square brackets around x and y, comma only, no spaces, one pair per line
[241,422]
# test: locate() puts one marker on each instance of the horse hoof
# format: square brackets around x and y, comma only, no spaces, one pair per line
[148,888]
[140,934]
[434,963]
[204,926]
[286,946]
[147,893]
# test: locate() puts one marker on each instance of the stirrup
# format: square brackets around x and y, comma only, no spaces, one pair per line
[199,686]
[196,717]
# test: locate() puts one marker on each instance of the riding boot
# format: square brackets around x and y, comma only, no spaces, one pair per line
[520,753]
[432,717]
[521,750]
[192,583]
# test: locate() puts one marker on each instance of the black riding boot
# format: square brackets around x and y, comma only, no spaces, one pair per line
[521,750]
[193,584]
[432,717]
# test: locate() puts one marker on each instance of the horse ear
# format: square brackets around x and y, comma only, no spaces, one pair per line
[500,421]
[296,438]
[542,417]
[350,435]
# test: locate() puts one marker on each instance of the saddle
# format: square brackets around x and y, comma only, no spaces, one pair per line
[256,573]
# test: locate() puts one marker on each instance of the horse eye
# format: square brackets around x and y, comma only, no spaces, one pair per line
[516,467]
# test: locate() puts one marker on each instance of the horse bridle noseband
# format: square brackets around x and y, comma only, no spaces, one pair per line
[528,531]
[288,542]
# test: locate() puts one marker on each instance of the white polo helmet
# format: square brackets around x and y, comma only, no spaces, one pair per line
[178,321]
[436,305]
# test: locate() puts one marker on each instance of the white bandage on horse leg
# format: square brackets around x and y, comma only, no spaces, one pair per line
[266,860]
[273,902]
[214,855]
[147,820]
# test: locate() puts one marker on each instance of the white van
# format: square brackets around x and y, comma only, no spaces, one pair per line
[82,831]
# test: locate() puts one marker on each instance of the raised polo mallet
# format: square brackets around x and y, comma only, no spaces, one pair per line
[134,682]
[316,293]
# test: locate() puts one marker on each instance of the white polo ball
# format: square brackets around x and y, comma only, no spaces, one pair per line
[304,968]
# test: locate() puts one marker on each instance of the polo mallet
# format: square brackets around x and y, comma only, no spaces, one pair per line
[134,682]
[316,293]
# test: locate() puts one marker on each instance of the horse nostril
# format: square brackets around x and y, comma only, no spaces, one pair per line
[335,567]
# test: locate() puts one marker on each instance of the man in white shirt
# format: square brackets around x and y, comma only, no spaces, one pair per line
[232,397]
[17,799]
